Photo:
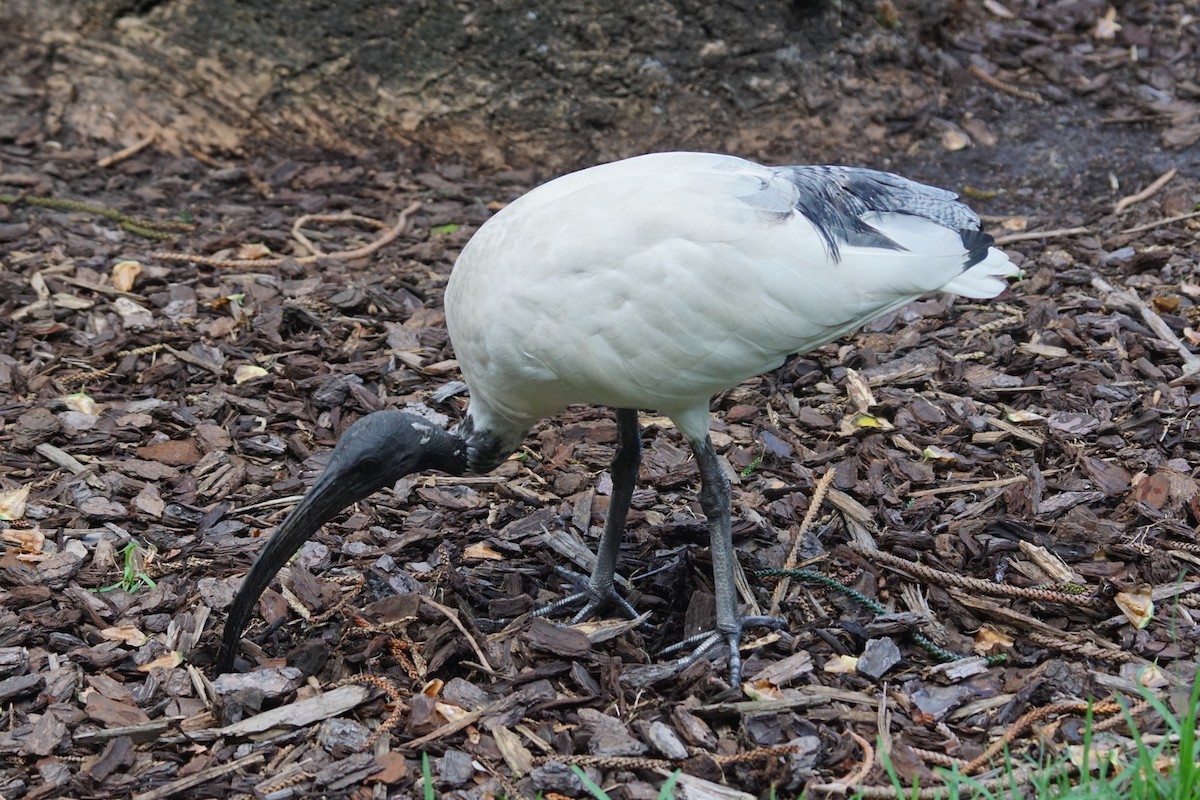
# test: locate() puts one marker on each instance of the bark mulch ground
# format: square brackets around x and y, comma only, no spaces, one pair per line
[975,517]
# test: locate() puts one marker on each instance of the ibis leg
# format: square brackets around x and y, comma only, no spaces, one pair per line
[714,499]
[599,590]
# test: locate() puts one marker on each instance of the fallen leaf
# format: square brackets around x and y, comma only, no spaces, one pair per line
[128,634]
[253,251]
[169,660]
[481,552]
[83,403]
[989,639]
[1043,350]
[1107,26]
[1105,756]
[248,372]
[451,712]
[1151,677]
[1167,304]
[840,664]
[762,690]
[394,768]
[124,274]
[1165,488]
[935,453]
[1137,606]
[851,423]
[12,503]
[27,540]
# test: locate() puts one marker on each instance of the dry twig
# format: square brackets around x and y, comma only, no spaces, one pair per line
[197,778]
[995,483]
[344,255]
[298,227]
[814,505]
[1001,86]
[1159,223]
[1018,776]
[1029,236]
[854,779]
[1191,362]
[1147,193]
[450,615]
[640,762]
[128,152]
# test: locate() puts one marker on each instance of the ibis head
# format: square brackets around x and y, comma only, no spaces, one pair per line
[374,452]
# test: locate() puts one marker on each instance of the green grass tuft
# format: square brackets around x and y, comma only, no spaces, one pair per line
[666,792]
[133,574]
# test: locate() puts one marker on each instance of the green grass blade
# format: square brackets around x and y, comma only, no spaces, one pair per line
[589,784]
[426,777]
[667,792]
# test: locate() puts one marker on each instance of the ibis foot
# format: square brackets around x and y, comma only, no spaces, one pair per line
[595,598]
[703,644]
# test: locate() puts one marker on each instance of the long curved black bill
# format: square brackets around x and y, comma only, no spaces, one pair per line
[374,452]
[332,492]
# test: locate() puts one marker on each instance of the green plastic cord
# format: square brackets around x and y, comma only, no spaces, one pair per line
[938,652]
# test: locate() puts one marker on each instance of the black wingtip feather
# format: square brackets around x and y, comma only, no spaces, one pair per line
[977,244]
[834,200]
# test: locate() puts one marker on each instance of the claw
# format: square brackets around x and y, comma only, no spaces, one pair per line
[704,643]
[595,598]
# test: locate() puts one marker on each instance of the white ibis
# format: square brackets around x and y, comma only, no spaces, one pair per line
[653,282]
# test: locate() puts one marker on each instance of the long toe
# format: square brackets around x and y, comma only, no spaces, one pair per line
[707,643]
[595,599]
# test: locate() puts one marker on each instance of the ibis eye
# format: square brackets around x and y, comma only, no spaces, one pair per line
[369,466]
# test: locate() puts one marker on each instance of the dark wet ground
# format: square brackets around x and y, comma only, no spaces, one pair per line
[1044,441]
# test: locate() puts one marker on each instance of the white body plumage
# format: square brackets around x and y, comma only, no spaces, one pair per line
[658,281]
